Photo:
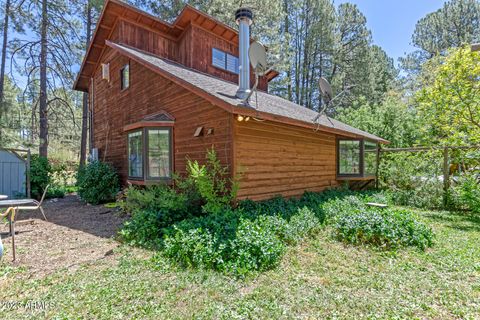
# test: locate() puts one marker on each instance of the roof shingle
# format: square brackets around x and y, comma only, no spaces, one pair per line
[262,102]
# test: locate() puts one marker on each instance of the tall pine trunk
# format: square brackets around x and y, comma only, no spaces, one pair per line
[43,135]
[2,67]
[287,33]
[83,143]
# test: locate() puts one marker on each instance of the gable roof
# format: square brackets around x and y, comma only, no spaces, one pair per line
[222,93]
[113,10]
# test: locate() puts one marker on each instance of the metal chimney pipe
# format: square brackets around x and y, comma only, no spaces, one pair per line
[243,18]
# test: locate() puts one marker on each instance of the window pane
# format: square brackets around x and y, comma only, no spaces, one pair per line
[135,155]
[159,153]
[218,58]
[232,63]
[370,158]
[349,157]
[125,77]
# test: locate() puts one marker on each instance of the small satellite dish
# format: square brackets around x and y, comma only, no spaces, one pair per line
[258,58]
[325,90]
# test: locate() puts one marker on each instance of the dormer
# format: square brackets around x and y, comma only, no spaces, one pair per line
[195,40]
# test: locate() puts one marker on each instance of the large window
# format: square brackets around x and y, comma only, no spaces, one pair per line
[150,154]
[349,157]
[159,153]
[225,61]
[356,158]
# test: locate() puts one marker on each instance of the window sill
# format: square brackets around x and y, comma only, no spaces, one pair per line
[355,178]
[149,182]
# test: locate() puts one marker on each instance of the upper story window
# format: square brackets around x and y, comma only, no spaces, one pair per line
[225,61]
[356,158]
[125,77]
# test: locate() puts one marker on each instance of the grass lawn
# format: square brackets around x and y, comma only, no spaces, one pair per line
[321,278]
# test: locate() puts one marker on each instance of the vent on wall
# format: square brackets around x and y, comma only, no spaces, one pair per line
[106,71]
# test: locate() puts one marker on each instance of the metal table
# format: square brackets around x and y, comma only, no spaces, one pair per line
[12,206]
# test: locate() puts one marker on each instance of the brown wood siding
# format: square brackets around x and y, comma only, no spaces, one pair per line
[148,40]
[150,93]
[276,159]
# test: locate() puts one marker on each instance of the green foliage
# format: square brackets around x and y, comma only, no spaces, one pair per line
[450,104]
[467,193]
[212,183]
[160,206]
[413,179]
[459,17]
[391,119]
[143,229]
[40,170]
[354,222]
[194,248]
[97,182]
[255,248]
[56,191]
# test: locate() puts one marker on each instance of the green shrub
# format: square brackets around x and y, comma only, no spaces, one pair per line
[255,248]
[40,170]
[467,193]
[97,182]
[168,205]
[236,241]
[355,223]
[212,182]
[194,248]
[413,178]
[142,229]
[56,191]
[302,225]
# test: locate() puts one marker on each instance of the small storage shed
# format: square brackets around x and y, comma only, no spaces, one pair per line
[13,174]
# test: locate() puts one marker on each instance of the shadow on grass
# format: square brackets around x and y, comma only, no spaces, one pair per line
[464,221]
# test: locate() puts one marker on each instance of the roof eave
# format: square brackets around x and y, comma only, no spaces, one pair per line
[234,109]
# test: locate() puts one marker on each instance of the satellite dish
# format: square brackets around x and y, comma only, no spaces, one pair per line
[325,90]
[258,58]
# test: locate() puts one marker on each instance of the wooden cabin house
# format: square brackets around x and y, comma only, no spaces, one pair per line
[160,93]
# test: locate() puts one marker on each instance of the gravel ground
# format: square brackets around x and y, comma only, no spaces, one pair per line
[75,234]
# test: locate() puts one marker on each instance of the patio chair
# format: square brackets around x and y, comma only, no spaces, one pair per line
[37,204]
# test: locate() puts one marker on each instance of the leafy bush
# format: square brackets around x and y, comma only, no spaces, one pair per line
[40,170]
[212,182]
[355,223]
[467,193]
[194,248]
[56,191]
[142,230]
[255,248]
[235,241]
[160,206]
[413,179]
[301,225]
[97,182]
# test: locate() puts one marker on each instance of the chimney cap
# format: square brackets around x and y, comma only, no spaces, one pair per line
[244,13]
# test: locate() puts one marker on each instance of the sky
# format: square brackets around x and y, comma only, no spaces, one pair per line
[392,22]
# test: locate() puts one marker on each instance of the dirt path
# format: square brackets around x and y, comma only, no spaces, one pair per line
[74,234]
